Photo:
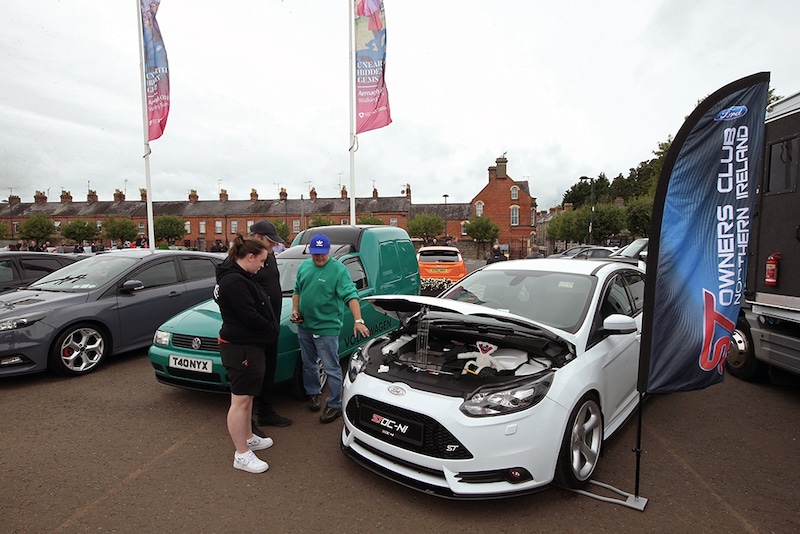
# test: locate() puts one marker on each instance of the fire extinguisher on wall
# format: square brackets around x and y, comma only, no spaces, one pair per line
[771,279]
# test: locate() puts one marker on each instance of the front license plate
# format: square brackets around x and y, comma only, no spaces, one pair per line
[392,427]
[190,364]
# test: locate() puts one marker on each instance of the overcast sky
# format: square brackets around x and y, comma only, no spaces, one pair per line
[259,92]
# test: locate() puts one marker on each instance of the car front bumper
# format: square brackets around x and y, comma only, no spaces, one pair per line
[428,444]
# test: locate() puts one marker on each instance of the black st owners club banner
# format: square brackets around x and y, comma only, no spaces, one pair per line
[699,235]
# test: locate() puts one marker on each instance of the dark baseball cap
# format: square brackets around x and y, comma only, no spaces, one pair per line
[319,244]
[267,229]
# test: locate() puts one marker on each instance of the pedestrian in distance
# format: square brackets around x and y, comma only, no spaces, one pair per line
[248,326]
[497,255]
[269,280]
[322,288]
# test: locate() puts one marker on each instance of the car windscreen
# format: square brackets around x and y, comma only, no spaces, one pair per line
[86,274]
[436,255]
[555,299]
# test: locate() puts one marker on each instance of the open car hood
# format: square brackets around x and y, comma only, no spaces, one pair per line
[403,307]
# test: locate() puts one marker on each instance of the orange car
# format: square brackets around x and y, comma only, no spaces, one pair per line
[442,263]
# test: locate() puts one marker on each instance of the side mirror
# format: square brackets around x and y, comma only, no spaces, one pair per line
[129,286]
[619,324]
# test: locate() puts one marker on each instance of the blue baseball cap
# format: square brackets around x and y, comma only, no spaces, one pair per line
[319,244]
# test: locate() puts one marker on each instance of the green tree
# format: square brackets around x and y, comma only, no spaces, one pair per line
[120,230]
[638,213]
[319,220]
[79,230]
[609,220]
[482,230]
[283,230]
[370,219]
[38,227]
[564,227]
[169,227]
[5,231]
[426,225]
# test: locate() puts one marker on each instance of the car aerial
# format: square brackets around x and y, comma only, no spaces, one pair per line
[72,319]
[18,269]
[595,252]
[507,382]
[439,267]
[381,260]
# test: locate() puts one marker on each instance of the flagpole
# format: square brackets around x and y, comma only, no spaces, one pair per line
[151,242]
[353,139]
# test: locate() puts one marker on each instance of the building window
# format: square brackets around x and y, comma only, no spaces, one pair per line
[514,193]
[217,227]
[392,221]
[533,217]
[202,227]
[187,226]
[514,215]
[463,228]
[296,226]
[234,227]
[141,227]
[57,224]
[249,224]
[343,222]
[479,208]
[99,225]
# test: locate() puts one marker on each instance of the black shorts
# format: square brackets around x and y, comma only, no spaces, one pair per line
[245,365]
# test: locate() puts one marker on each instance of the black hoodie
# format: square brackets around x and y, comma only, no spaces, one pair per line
[247,315]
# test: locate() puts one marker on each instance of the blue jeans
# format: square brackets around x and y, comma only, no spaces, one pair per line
[326,349]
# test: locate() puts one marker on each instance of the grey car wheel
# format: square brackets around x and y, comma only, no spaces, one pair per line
[741,361]
[78,350]
[580,449]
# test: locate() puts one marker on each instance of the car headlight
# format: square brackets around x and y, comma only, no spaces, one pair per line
[161,338]
[508,398]
[358,362]
[23,321]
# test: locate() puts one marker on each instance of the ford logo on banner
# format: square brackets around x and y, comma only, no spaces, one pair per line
[731,113]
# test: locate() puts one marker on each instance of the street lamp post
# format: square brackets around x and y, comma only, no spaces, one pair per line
[591,209]
[445,215]
[10,216]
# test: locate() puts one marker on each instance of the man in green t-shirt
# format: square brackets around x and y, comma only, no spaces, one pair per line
[322,288]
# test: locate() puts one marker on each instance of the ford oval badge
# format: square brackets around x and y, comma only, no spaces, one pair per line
[731,113]
[396,390]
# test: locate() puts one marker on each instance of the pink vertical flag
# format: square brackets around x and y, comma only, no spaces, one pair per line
[156,71]
[372,98]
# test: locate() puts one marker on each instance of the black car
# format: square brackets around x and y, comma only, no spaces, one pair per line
[20,268]
[70,320]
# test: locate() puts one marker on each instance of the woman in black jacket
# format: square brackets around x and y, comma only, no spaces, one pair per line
[248,325]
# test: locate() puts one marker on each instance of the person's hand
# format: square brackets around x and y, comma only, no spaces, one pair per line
[360,328]
[296,317]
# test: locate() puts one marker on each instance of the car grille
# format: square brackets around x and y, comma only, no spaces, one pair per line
[183,341]
[437,441]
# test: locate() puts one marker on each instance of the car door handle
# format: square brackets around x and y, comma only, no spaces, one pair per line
[173,294]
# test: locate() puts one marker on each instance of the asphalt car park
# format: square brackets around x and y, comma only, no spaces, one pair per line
[117,451]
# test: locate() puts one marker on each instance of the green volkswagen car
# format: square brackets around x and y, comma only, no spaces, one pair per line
[381,261]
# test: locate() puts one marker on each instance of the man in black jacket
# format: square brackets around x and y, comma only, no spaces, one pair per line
[497,255]
[269,279]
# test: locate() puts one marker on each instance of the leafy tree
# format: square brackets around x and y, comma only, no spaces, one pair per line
[283,230]
[5,231]
[38,227]
[370,219]
[564,227]
[482,230]
[79,230]
[426,225]
[609,220]
[169,227]
[120,229]
[319,220]
[638,214]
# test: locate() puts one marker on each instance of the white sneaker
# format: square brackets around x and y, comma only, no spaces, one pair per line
[249,462]
[256,443]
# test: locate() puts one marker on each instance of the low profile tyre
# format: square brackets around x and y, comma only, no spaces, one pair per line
[741,361]
[78,350]
[298,389]
[583,441]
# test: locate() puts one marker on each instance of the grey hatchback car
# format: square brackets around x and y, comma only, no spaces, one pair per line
[70,320]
